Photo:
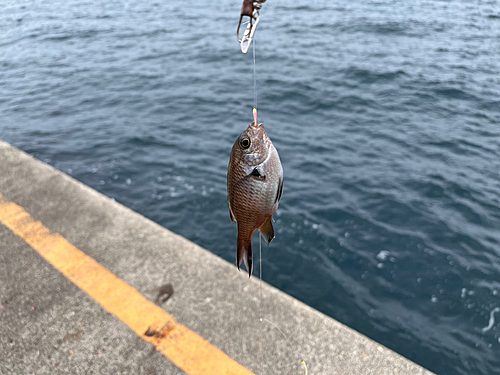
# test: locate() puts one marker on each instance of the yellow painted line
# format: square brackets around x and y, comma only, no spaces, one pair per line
[187,350]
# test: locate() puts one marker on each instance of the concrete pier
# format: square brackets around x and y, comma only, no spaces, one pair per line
[80,275]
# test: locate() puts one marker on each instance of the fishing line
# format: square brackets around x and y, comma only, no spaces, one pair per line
[260,267]
[260,274]
[261,316]
[254,79]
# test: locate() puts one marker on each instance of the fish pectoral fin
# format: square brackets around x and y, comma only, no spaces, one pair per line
[267,230]
[256,174]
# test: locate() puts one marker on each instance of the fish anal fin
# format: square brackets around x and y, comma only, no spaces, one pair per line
[267,230]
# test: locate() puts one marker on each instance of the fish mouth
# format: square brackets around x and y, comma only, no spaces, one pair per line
[255,128]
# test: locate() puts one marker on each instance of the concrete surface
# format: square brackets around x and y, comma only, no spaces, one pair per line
[49,326]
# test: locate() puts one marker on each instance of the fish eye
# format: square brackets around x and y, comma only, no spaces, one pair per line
[245,143]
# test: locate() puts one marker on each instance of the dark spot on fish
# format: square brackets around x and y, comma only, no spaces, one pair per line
[164,293]
[257,174]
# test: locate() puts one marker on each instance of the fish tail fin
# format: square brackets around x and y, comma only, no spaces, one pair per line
[267,230]
[244,254]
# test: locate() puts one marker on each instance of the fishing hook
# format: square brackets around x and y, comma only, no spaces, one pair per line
[251,9]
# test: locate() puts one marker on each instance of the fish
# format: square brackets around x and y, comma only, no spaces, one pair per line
[254,187]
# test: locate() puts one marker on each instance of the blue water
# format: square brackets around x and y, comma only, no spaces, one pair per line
[386,115]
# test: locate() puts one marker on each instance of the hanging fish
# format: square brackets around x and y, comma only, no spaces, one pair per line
[254,187]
